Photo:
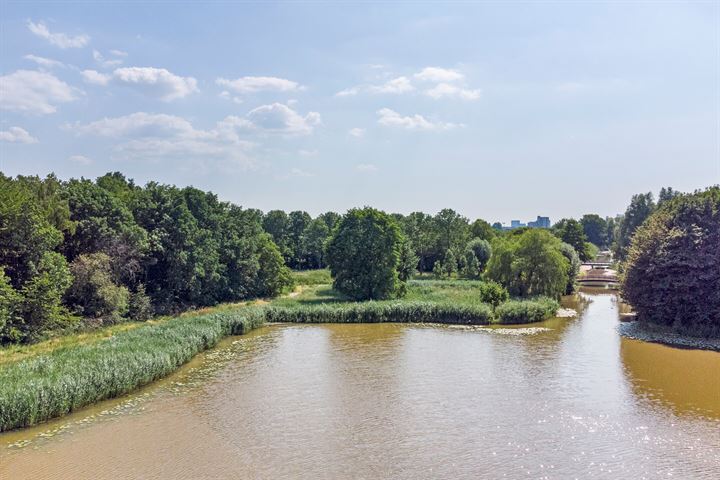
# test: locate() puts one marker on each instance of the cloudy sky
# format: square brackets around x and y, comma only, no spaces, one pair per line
[498,111]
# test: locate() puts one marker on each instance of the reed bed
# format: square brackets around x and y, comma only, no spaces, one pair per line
[383,311]
[53,384]
[526,311]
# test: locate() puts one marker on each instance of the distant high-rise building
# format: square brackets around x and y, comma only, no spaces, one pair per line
[541,222]
[516,224]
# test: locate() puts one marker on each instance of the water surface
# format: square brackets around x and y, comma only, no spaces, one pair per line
[571,399]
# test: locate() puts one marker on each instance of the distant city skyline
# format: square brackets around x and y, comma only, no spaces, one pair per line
[497,111]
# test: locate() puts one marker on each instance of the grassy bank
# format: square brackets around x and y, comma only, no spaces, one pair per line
[51,379]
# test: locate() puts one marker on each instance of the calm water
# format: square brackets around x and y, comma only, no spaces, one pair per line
[573,400]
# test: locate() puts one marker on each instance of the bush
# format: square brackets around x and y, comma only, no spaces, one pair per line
[526,311]
[574,266]
[8,302]
[672,274]
[140,307]
[493,293]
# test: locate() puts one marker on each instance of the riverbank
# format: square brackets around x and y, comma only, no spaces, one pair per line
[50,380]
[657,334]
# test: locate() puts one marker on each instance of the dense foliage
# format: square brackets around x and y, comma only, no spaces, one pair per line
[111,250]
[364,255]
[530,264]
[672,273]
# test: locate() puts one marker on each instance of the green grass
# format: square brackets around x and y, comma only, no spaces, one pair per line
[43,381]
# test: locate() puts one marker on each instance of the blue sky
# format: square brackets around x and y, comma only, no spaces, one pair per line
[498,110]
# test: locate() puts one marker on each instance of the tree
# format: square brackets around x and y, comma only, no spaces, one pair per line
[364,255]
[314,238]
[9,299]
[571,232]
[529,264]
[482,229]
[574,264]
[595,229]
[640,208]
[41,307]
[418,228]
[672,274]
[452,230]
[298,222]
[276,223]
[93,292]
[481,250]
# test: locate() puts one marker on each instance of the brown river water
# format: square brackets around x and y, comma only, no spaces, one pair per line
[572,399]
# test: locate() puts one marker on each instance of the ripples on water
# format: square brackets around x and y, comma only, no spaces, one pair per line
[567,398]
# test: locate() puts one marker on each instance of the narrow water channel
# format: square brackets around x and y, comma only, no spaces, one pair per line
[568,398]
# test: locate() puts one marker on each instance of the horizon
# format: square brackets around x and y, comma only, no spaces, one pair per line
[498,112]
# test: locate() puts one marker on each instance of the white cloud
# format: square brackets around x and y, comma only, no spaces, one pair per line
[99,58]
[118,53]
[366,168]
[95,78]
[443,90]
[396,85]
[33,92]
[17,135]
[439,75]
[296,172]
[391,118]
[348,92]
[80,159]
[226,95]
[257,84]
[279,118]
[357,132]
[161,136]
[308,153]
[156,82]
[58,39]
[44,62]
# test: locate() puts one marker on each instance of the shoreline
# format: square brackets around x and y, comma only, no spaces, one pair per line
[637,331]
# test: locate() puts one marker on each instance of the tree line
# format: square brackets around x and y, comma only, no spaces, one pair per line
[111,250]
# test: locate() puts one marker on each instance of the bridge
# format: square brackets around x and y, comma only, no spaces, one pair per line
[597,274]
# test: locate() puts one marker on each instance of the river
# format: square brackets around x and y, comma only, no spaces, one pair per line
[570,399]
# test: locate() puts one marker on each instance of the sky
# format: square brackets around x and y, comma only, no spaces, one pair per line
[498,110]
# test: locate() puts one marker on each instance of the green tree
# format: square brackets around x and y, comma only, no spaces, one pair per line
[482,229]
[574,264]
[529,264]
[595,229]
[452,232]
[364,255]
[41,307]
[481,250]
[276,223]
[672,274]
[93,293]
[640,208]
[314,238]
[9,300]
[571,232]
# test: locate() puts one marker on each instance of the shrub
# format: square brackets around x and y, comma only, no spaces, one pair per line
[526,311]
[140,306]
[493,293]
